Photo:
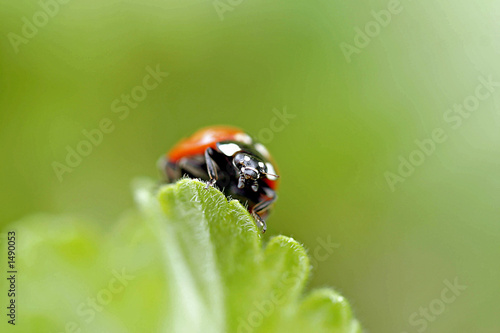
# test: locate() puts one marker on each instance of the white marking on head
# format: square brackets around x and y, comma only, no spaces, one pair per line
[262,150]
[229,149]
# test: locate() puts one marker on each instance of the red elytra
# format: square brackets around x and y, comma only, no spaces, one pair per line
[201,140]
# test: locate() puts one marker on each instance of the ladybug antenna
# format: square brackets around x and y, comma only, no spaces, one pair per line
[270,174]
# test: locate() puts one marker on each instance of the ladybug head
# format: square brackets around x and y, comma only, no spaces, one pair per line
[251,169]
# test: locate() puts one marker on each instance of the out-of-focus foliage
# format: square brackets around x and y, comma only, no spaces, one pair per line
[189,261]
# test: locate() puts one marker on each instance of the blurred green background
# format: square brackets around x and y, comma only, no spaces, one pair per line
[352,121]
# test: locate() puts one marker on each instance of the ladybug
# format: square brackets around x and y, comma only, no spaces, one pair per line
[230,159]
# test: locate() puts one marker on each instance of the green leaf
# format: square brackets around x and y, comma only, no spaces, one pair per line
[186,260]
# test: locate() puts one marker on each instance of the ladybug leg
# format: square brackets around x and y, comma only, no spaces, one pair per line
[191,167]
[168,171]
[211,168]
[261,207]
[260,221]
